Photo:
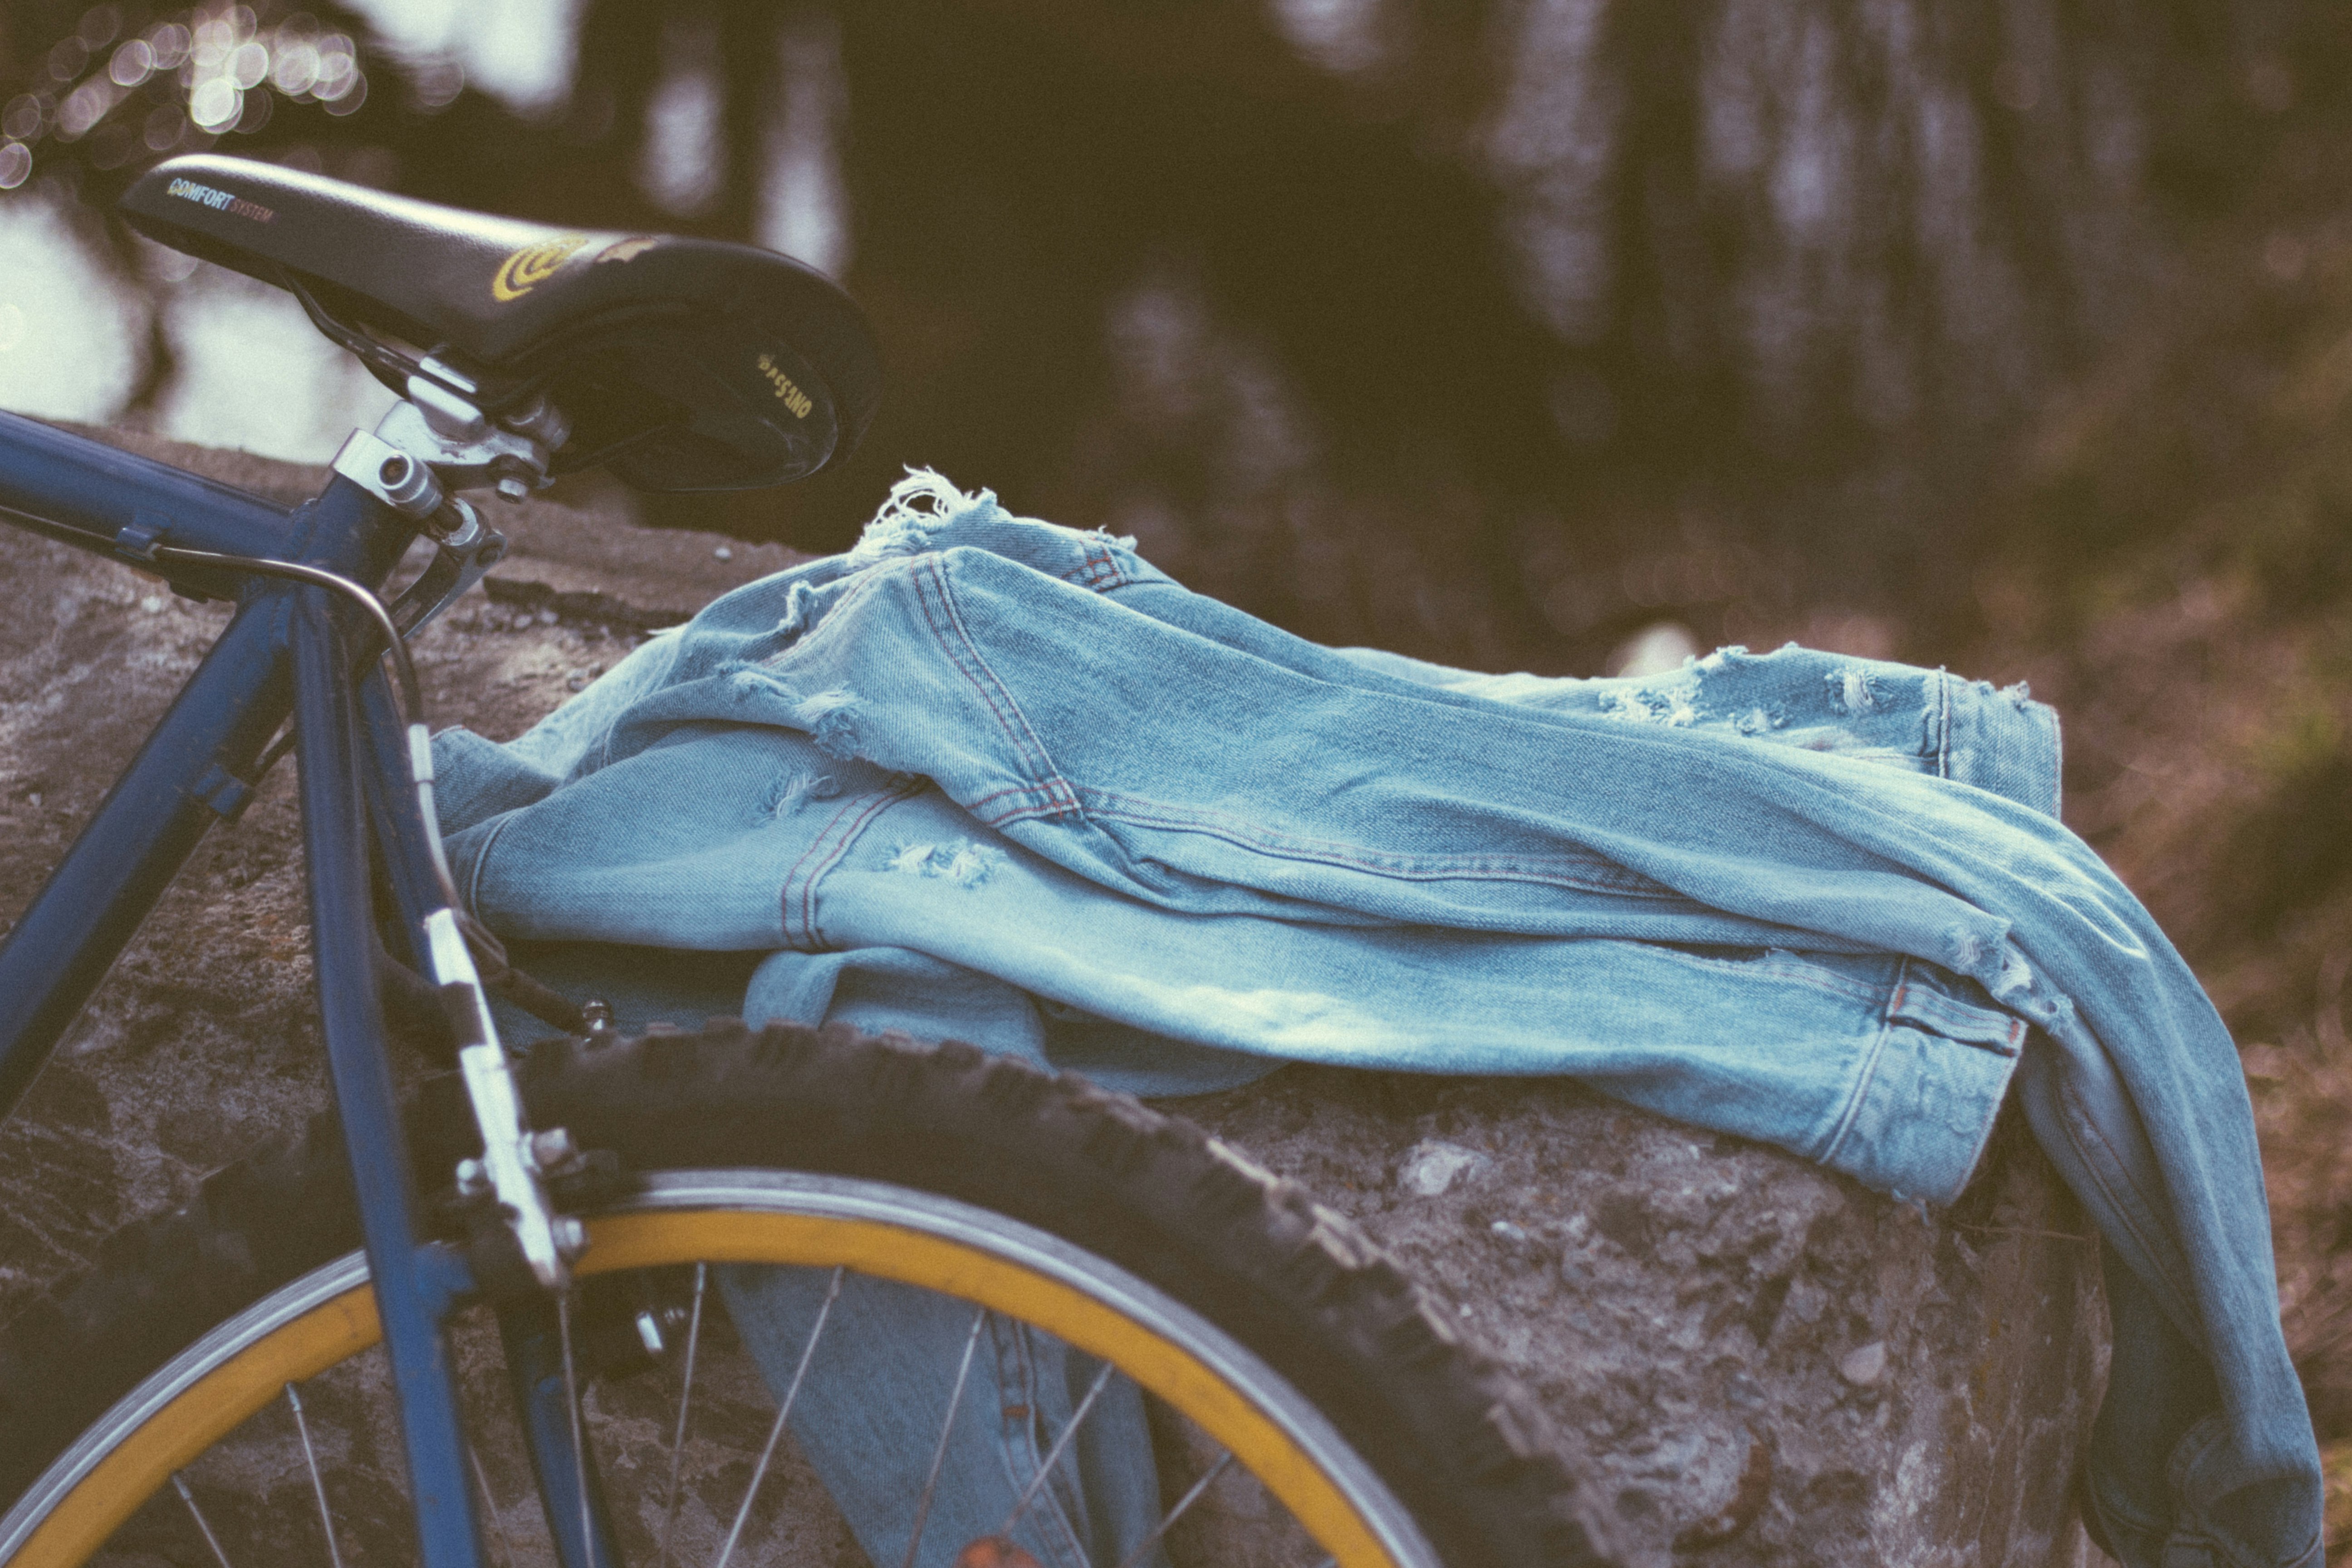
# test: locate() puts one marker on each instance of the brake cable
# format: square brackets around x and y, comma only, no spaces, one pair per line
[549,1006]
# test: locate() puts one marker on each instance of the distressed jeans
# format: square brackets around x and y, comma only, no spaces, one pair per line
[989,778]
[888,1388]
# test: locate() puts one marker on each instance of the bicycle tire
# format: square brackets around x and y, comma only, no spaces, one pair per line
[1321,1317]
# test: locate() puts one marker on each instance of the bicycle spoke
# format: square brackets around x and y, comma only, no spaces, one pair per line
[579,1445]
[490,1508]
[181,1484]
[685,1404]
[318,1482]
[947,1429]
[776,1432]
[1054,1456]
[1192,1496]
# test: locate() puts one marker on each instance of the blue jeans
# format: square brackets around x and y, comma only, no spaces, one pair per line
[990,778]
[881,1389]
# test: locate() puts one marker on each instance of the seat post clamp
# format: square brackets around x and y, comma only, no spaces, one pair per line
[401,481]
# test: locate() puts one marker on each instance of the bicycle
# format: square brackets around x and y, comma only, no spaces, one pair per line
[560,1220]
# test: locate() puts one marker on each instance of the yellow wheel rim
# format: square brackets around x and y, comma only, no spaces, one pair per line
[345,1324]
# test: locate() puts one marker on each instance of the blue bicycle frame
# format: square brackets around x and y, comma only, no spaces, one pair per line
[302,650]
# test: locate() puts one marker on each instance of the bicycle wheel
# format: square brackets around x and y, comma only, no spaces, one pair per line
[213,1391]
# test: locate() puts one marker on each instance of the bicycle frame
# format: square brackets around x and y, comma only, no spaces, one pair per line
[292,649]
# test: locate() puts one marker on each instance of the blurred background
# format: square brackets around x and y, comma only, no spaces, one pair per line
[1570,335]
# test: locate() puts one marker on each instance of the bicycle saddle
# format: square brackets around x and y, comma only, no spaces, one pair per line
[684,364]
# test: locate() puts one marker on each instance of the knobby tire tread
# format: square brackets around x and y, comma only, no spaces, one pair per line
[1461,1443]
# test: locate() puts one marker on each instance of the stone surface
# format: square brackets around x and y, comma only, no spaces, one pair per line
[1432,1168]
[1758,1363]
[1761,1363]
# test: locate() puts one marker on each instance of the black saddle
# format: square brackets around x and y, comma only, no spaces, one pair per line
[685,365]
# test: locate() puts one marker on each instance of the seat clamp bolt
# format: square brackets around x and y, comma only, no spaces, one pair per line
[554,1149]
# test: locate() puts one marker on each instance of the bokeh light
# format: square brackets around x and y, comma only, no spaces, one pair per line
[216,103]
[218,70]
[295,69]
[246,64]
[23,117]
[337,68]
[169,43]
[66,60]
[436,83]
[98,26]
[132,64]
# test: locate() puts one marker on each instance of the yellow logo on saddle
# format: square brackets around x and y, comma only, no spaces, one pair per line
[533,265]
[788,391]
